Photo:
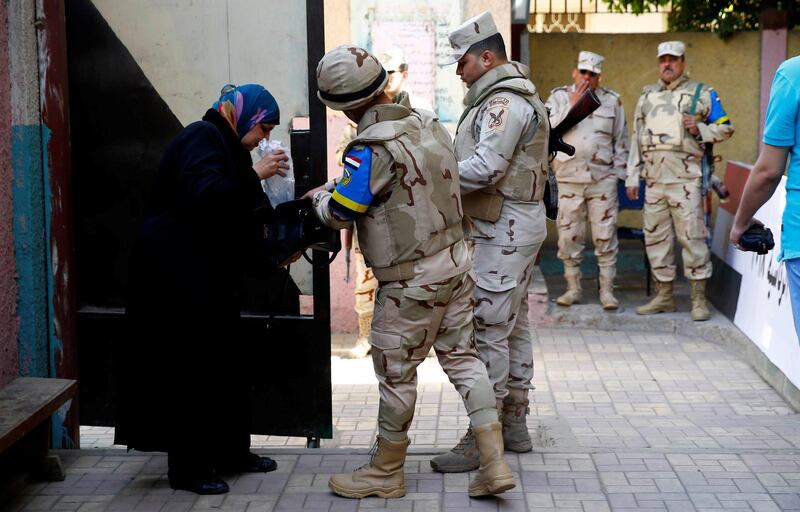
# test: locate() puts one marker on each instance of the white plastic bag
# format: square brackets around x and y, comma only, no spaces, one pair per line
[279,188]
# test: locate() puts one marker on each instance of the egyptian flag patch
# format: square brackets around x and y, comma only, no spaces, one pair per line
[352,196]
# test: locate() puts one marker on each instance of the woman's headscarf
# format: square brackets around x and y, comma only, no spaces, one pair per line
[247,105]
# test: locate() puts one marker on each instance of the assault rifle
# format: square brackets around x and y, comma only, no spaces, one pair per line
[587,104]
[709,182]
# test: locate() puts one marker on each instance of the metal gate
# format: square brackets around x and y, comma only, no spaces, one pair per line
[121,124]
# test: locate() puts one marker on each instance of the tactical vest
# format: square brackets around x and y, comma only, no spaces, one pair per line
[421,215]
[662,112]
[526,175]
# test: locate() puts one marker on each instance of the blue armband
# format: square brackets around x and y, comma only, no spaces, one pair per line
[717,114]
[352,196]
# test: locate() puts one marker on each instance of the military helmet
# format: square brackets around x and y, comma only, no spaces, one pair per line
[349,77]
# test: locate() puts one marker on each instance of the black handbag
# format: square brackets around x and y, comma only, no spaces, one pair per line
[294,227]
[757,239]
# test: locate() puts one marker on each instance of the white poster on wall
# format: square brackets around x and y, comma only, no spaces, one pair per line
[417,41]
[764,310]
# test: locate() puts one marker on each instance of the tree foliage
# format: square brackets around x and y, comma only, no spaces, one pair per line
[724,17]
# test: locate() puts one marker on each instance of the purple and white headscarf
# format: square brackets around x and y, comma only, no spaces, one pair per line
[247,105]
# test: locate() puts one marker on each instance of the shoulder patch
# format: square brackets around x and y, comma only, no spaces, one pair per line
[611,92]
[496,117]
[498,101]
[562,88]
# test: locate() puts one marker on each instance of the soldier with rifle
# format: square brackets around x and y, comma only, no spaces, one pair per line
[675,122]
[587,179]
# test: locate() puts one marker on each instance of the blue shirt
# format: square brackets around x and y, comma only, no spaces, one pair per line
[781,129]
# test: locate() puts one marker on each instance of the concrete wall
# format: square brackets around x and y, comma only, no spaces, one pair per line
[190,49]
[29,191]
[9,366]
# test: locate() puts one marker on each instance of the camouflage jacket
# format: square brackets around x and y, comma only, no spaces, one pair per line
[400,186]
[662,150]
[502,148]
[600,140]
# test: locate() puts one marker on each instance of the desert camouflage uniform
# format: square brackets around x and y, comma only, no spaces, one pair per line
[365,283]
[668,157]
[408,218]
[587,181]
[502,147]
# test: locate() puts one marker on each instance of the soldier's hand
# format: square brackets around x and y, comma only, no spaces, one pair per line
[580,89]
[272,164]
[310,194]
[738,229]
[632,193]
[690,123]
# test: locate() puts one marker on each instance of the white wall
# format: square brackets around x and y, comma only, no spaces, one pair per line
[189,49]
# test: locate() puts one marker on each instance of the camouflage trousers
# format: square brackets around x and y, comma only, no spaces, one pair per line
[407,323]
[670,210]
[365,284]
[502,332]
[598,201]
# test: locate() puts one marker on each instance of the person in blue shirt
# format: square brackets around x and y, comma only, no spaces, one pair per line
[781,130]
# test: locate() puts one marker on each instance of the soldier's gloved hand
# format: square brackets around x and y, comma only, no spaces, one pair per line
[310,194]
[632,193]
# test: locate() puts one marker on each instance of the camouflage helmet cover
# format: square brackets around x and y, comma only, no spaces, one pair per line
[349,77]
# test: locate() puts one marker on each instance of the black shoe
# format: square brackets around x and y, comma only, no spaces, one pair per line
[251,463]
[211,485]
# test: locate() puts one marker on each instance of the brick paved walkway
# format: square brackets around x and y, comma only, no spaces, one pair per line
[621,420]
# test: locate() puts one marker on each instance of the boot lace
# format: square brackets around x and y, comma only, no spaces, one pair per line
[373,451]
[465,443]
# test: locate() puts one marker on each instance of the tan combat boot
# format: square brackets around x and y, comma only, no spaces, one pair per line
[663,302]
[463,457]
[494,475]
[516,437]
[362,346]
[382,477]
[700,310]
[607,299]
[574,292]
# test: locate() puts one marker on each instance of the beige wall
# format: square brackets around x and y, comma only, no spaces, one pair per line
[501,12]
[337,23]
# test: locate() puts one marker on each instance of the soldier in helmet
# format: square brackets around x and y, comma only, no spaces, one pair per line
[673,119]
[501,144]
[587,180]
[401,189]
[394,62]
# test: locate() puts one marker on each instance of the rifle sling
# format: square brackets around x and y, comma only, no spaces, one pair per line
[696,96]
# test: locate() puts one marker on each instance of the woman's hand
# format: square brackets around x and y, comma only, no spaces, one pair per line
[272,164]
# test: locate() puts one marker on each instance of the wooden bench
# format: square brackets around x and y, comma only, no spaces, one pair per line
[26,405]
